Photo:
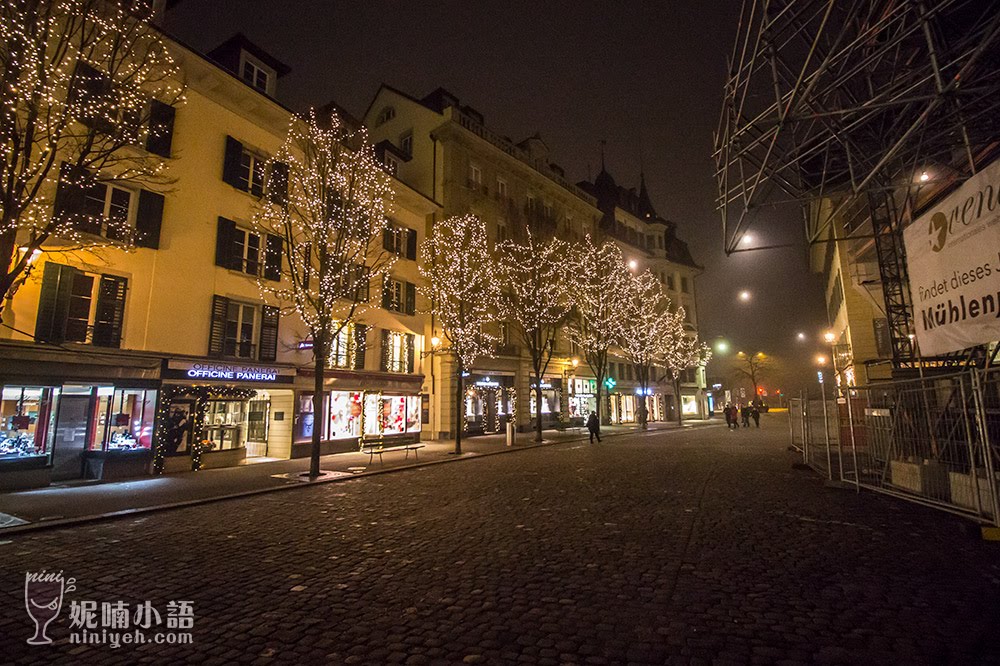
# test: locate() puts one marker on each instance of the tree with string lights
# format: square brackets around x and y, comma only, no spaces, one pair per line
[678,352]
[327,196]
[87,89]
[462,289]
[646,325]
[597,292]
[534,295]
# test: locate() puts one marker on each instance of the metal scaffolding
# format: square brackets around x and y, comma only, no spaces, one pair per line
[876,107]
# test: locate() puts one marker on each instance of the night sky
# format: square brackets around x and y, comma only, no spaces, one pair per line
[646,77]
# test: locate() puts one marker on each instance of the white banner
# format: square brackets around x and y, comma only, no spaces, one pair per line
[953,260]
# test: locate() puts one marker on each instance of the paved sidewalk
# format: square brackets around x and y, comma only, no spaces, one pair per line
[74,502]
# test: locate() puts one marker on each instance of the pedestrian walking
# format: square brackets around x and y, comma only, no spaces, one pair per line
[728,411]
[755,415]
[594,427]
[745,413]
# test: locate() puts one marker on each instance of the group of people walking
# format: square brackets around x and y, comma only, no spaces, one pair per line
[741,414]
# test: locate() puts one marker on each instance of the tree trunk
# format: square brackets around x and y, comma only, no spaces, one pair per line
[677,400]
[459,407]
[319,374]
[538,408]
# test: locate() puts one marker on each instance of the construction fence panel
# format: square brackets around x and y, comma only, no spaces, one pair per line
[933,440]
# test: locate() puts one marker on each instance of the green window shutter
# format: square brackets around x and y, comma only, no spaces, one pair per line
[110,311]
[411,244]
[73,182]
[360,345]
[149,219]
[231,163]
[411,298]
[217,327]
[383,362]
[410,351]
[268,334]
[224,251]
[161,128]
[272,258]
[53,302]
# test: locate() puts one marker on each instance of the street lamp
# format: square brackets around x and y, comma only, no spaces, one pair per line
[744,295]
[747,239]
[633,264]
[821,360]
[801,336]
[435,342]
[575,362]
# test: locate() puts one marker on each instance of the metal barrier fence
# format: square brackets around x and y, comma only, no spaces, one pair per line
[934,440]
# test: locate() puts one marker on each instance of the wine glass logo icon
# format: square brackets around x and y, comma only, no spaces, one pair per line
[43,598]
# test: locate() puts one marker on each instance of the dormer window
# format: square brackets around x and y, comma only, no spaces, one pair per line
[385,115]
[256,74]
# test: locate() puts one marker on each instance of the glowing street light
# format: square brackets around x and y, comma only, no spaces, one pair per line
[744,295]
[633,264]
[747,239]
[435,342]
[821,360]
[924,177]
[829,337]
[575,362]
[721,346]
[801,337]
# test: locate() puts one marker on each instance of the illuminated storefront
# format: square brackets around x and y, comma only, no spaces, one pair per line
[582,399]
[220,413]
[490,402]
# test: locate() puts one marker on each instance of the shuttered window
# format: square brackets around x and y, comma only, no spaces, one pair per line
[243,330]
[106,209]
[75,306]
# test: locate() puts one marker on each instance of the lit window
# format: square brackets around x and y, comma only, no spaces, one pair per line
[241,330]
[251,174]
[385,115]
[108,211]
[248,248]
[255,75]
[396,352]
[391,165]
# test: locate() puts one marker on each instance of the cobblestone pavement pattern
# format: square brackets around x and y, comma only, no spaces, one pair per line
[699,546]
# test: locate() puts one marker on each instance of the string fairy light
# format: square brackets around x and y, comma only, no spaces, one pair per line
[80,76]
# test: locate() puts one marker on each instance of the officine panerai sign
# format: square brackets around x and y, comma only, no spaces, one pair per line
[953,259]
[226,371]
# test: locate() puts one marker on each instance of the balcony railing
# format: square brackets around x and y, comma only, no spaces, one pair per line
[518,154]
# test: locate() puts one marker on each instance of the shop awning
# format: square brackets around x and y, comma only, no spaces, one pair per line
[31,363]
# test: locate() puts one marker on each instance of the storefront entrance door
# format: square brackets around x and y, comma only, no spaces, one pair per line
[257,413]
[72,427]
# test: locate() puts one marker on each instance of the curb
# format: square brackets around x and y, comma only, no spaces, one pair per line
[128,513]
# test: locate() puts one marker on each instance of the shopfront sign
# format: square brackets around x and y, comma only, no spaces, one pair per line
[224,371]
[954,267]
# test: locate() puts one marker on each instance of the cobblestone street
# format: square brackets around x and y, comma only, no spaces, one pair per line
[693,546]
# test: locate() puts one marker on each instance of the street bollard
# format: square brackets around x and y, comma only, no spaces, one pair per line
[510,434]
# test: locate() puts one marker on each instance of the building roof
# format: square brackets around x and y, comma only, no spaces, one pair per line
[611,195]
[227,54]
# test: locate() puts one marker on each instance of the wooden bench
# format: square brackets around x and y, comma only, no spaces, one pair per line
[377,450]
